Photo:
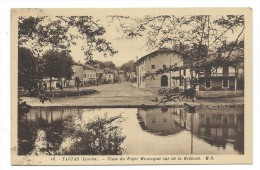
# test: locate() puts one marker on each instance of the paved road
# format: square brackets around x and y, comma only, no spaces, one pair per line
[125,94]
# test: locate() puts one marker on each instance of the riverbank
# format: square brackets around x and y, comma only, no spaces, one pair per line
[91,101]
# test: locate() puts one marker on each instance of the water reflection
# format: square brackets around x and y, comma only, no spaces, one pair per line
[50,115]
[65,130]
[70,132]
[217,127]
[161,121]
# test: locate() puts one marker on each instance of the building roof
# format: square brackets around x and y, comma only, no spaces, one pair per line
[157,51]
[85,66]
[98,70]
[88,67]
[109,70]
[217,58]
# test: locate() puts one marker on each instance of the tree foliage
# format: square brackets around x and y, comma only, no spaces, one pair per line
[103,64]
[128,67]
[30,69]
[57,65]
[62,32]
[101,135]
[109,64]
[195,36]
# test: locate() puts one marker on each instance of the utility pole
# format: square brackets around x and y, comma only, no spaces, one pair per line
[170,72]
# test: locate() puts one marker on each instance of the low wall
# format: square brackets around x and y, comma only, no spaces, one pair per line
[71,93]
[63,93]
[213,94]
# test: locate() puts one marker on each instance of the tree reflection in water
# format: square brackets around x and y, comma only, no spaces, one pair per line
[75,135]
[39,137]
[26,135]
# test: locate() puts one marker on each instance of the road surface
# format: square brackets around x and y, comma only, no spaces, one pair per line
[125,94]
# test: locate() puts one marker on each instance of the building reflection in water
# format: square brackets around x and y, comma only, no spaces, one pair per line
[50,115]
[216,126]
[162,121]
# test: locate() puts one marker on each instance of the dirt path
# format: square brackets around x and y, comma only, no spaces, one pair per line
[125,94]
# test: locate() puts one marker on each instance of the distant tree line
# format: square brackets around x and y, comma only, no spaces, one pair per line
[128,67]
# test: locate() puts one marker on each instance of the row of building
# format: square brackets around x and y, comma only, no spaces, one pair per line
[214,73]
[87,74]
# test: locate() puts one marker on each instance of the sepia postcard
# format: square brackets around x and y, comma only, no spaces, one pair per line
[131,86]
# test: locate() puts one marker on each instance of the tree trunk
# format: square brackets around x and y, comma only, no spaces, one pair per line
[50,83]
[61,85]
[191,79]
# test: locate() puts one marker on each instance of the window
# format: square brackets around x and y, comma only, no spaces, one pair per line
[85,75]
[109,76]
[153,66]
[164,67]
[184,72]
[58,85]
[90,75]
[181,81]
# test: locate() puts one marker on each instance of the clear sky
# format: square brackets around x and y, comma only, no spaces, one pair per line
[128,49]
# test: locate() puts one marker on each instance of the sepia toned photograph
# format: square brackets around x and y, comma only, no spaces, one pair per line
[131,86]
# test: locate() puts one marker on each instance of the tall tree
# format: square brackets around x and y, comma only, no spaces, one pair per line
[51,65]
[66,71]
[57,65]
[30,69]
[77,82]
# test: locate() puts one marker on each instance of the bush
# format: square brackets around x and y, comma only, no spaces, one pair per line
[99,136]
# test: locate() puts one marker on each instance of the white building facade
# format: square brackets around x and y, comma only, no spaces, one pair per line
[155,61]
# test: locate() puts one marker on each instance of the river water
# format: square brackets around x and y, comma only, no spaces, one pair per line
[135,131]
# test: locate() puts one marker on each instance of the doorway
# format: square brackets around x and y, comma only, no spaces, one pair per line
[164,81]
